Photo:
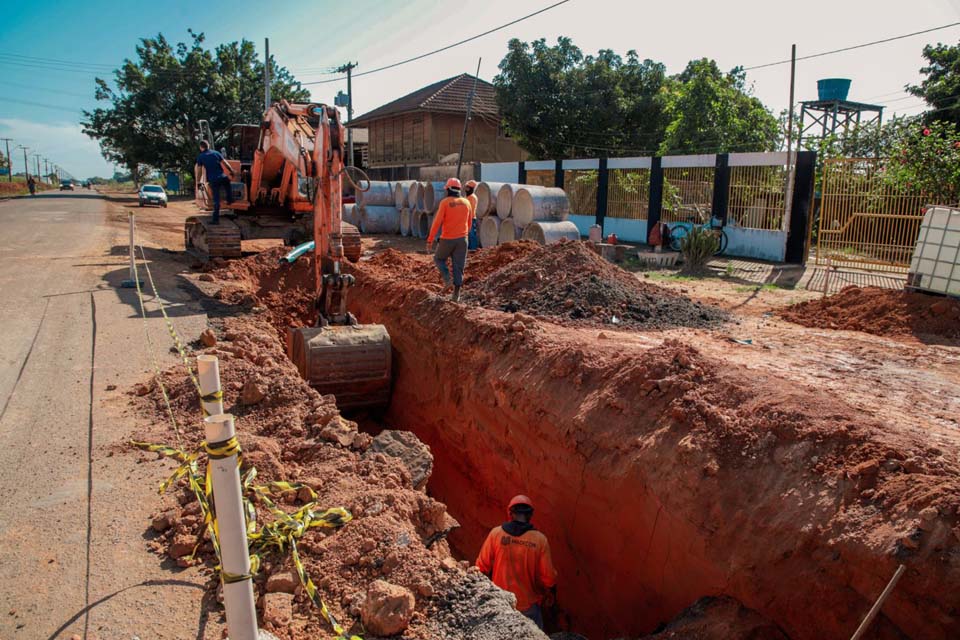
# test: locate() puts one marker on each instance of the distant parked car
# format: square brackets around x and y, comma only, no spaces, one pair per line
[67,185]
[152,194]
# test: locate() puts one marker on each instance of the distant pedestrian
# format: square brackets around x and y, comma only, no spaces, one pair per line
[517,558]
[455,216]
[215,167]
[32,185]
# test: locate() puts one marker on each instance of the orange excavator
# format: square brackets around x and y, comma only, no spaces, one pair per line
[273,197]
[337,355]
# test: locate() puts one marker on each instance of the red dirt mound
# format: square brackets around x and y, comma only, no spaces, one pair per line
[569,282]
[290,432]
[882,312]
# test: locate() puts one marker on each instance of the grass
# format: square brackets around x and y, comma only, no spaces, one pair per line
[758,287]
[672,276]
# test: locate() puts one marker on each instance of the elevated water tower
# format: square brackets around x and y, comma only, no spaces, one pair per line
[833,113]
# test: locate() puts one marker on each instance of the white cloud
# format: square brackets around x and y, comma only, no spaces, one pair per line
[62,143]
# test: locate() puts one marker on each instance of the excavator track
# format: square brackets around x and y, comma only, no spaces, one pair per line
[351,241]
[206,240]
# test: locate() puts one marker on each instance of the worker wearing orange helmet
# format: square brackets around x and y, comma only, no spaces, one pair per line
[517,558]
[473,239]
[454,216]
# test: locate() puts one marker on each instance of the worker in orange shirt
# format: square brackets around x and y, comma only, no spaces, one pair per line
[473,239]
[517,558]
[455,216]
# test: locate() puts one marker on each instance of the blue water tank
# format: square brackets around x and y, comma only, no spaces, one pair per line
[833,88]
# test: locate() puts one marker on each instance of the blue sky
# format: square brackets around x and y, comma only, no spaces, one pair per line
[40,101]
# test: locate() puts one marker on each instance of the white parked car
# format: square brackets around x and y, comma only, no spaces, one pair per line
[152,194]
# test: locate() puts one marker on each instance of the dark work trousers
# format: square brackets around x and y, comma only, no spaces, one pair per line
[456,250]
[215,185]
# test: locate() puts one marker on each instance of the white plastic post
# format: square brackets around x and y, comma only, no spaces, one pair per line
[234,555]
[208,373]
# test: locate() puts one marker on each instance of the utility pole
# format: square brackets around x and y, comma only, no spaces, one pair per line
[788,196]
[26,165]
[466,120]
[36,160]
[9,159]
[348,68]
[266,74]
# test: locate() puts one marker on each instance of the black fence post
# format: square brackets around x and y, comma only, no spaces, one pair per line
[558,174]
[801,208]
[656,194]
[522,173]
[721,189]
[603,177]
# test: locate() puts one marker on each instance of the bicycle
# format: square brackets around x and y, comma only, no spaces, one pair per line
[679,230]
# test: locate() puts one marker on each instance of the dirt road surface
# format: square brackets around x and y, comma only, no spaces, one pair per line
[74,522]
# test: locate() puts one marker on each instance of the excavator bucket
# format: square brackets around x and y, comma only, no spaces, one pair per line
[352,362]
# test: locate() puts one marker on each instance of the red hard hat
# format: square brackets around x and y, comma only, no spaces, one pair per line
[453,183]
[472,184]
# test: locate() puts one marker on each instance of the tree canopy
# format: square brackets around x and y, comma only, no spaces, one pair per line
[559,103]
[156,101]
[940,87]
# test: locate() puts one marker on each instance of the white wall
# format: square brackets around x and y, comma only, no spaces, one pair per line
[500,171]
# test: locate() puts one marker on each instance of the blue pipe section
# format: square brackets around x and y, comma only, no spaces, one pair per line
[298,251]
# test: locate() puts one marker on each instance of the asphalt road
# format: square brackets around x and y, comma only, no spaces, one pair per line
[75,510]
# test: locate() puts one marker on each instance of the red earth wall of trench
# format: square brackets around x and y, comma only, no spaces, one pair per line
[646,507]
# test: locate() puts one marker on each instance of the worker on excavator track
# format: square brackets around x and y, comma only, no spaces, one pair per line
[517,558]
[455,216]
[468,191]
[216,168]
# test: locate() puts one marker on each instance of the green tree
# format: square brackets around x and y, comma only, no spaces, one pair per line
[941,86]
[711,111]
[927,159]
[156,102]
[559,103]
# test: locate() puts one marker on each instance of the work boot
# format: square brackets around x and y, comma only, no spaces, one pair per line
[456,294]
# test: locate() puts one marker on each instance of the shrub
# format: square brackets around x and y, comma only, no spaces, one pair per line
[698,247]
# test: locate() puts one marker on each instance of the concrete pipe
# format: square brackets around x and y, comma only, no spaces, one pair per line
[424,222]
[487,198]
[547,232]
[421,193]
[489,231]
[509,231]
[546,203]
[433,194]
[400,190]
[379,219]
[351,214]
[379,194]
[505,200]
[405,222]
[413,194]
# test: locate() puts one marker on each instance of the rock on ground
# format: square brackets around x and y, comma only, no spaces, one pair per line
[387,608]
[472,607]
[407,447]
[721,618]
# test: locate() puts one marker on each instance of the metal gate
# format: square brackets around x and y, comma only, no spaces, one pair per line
[866,219]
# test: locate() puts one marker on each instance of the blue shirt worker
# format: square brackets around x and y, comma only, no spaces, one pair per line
[215,167]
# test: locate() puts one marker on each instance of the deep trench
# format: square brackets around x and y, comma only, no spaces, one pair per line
[642,521]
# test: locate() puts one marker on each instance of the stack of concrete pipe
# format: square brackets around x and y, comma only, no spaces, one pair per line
[507,210]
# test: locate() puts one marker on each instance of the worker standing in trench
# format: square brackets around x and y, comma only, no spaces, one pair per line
[517,558]
[455,215]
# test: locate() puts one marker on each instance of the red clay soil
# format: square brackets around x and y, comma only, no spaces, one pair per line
[662,476]
[295,434]
[882,312]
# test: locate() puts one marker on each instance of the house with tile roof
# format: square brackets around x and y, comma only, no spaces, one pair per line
[422,128]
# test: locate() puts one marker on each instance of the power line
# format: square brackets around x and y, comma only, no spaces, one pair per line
[39,104]
[856,46]
[449,46]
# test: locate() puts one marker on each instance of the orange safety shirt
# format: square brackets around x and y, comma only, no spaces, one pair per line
[519,564]
[473,200]
[455,215]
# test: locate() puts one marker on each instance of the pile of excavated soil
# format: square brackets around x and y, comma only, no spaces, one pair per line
[569,282]
[290,432]
[882,312]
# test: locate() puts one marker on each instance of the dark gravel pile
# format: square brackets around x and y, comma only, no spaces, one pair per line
[571,283]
